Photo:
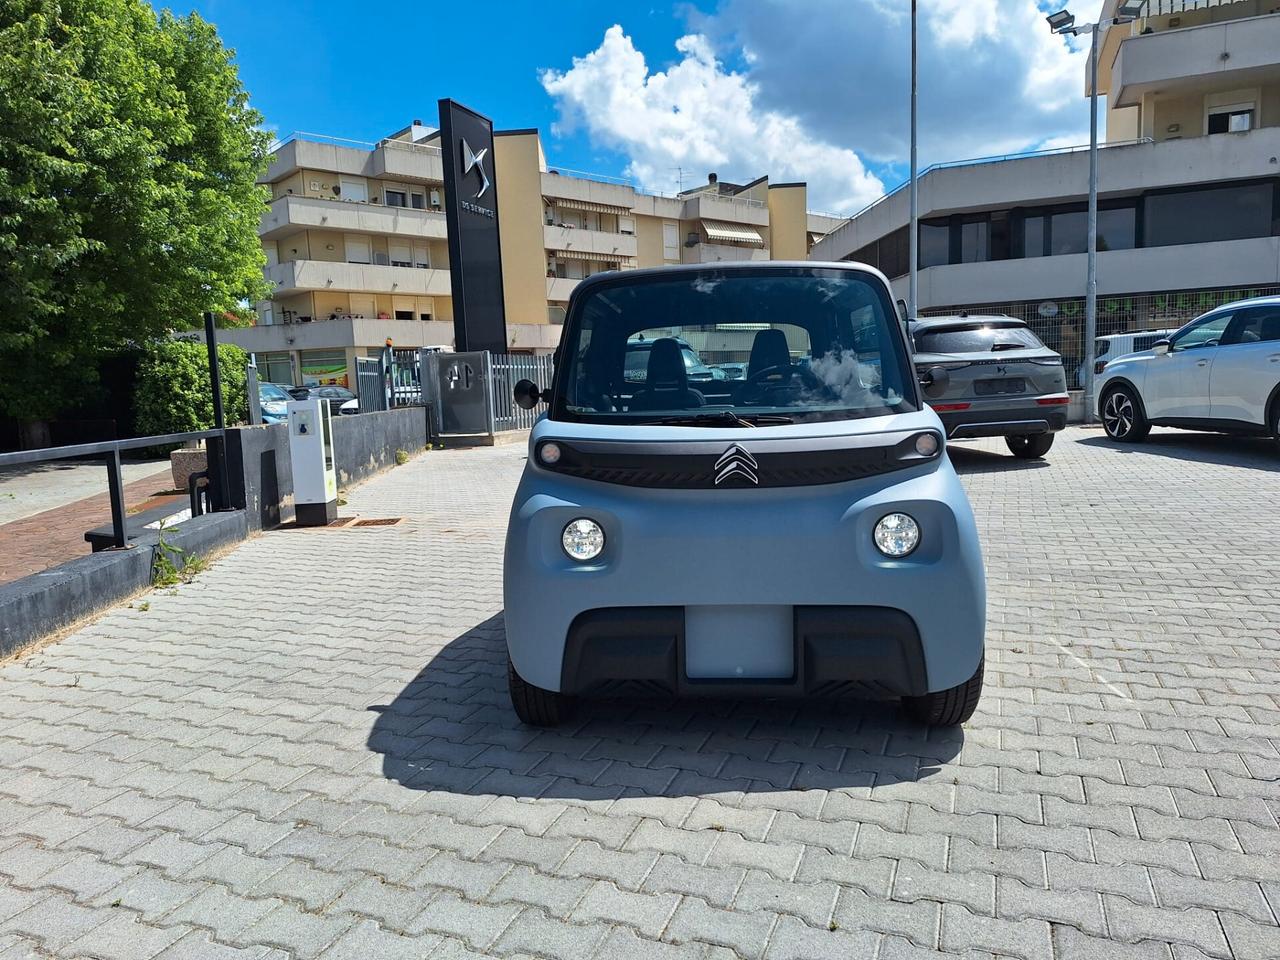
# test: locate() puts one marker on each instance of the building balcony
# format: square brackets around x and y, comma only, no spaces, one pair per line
[394,159]
[301,276]
[574,186]
[1212,57]
[705,206]
[727,252]
[290,213]
[559,288]
[610,246]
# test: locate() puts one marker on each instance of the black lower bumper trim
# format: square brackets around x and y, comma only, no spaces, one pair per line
[1003,423]
[838,651]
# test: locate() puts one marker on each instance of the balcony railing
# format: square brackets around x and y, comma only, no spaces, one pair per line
[425,148]
[351,216]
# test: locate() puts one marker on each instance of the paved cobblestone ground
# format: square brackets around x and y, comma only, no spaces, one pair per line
[308,752]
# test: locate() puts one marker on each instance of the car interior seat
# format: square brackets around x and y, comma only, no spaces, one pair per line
[666,383]
[769,349]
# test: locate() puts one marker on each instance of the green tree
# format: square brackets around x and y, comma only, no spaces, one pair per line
[129,156]
[173,394]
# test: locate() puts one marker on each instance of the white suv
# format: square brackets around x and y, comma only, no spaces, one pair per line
[1219,372]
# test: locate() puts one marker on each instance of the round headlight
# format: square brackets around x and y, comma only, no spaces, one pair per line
[549,453]
[582,539]
[896,535]
[927,444]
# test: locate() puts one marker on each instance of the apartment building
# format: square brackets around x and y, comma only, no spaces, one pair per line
[357,245]
[1189,208]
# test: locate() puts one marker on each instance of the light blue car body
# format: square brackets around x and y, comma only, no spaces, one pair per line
[739,559]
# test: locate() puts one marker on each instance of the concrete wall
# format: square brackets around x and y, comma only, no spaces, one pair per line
[524,265]
[788,221]
[1003,184]
[367,443]
[44,603]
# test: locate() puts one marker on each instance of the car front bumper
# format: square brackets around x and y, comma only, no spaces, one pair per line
[764,592]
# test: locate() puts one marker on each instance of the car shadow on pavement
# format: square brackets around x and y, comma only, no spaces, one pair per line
[452,729]
[1255,453]
[976,460]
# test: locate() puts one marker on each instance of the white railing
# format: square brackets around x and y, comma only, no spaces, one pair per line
[353,144]
[587,175]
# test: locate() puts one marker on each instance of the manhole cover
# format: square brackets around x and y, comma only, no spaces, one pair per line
[379,522]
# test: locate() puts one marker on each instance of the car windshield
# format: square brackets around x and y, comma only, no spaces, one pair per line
[978,338]
[817,344]
[269,392]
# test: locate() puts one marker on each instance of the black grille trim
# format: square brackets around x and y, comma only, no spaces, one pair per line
[780,463]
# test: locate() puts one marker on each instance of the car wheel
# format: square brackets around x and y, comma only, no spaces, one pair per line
[533,705]
[947,708]
[1122,416]
[1029,446]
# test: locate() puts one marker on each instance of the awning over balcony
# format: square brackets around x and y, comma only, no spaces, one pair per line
[587,255]
[718,231]
[588,205]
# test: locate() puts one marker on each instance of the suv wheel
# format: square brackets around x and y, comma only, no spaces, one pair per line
[533,705]
[1029,446]
[947,708]
[1122,416]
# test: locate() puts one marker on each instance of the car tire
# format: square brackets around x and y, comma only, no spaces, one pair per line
[533,705]
[1029,446]
[1122,415]
[950,707]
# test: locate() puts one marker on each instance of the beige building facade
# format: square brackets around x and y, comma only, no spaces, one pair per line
[357,245]
[1189,190]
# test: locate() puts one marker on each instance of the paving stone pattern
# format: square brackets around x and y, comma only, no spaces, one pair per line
[308,753]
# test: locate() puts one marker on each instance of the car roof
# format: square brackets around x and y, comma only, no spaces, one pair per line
[972,320]
[1269,301]
[761,267]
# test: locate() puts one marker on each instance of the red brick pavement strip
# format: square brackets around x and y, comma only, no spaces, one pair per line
[55,536]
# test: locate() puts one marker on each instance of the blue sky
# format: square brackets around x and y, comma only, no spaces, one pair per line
[812,90]
[305,71]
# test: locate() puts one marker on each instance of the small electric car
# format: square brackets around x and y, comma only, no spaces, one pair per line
[796,533]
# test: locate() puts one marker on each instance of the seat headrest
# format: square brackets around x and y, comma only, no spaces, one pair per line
[768,349]
[666,366]
[1271,327]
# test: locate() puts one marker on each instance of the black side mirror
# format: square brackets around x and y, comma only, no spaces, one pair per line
[935,381]
[527,394]
[1160,347]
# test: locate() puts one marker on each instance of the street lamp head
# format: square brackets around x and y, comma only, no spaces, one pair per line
[1061,22]
[1130,9]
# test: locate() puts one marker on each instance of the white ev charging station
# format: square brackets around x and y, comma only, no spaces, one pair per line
[315,482]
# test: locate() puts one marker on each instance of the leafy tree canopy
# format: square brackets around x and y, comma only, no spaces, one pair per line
[173,393]
[129,156]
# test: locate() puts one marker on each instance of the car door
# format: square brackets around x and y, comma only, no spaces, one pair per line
[1176,385]
[1247,366]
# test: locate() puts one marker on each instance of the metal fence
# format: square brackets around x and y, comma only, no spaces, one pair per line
[371,384]
[1060,323]
[508,369]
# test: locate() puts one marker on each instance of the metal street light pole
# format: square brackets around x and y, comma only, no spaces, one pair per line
[1091,282]
[1063,22]
[913,289]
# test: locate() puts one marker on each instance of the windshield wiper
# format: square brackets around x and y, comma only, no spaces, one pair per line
[1006,345]
[724,418]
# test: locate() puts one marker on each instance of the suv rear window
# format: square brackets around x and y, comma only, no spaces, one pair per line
[983,338]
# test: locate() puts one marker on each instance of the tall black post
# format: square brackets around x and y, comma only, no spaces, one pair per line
[217,446]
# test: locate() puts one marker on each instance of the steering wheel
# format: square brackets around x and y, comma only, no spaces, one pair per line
[756,375]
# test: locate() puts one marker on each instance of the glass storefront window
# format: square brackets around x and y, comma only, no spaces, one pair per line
[974,238]
[275,368]
[1033,236]
[1117,229]
[935,244]
[1206,216]
[321,367]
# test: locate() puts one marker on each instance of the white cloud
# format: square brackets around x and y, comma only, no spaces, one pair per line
[823,91]
[993,79]
[700,116]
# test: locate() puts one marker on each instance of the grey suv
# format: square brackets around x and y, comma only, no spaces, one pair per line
[991,377]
